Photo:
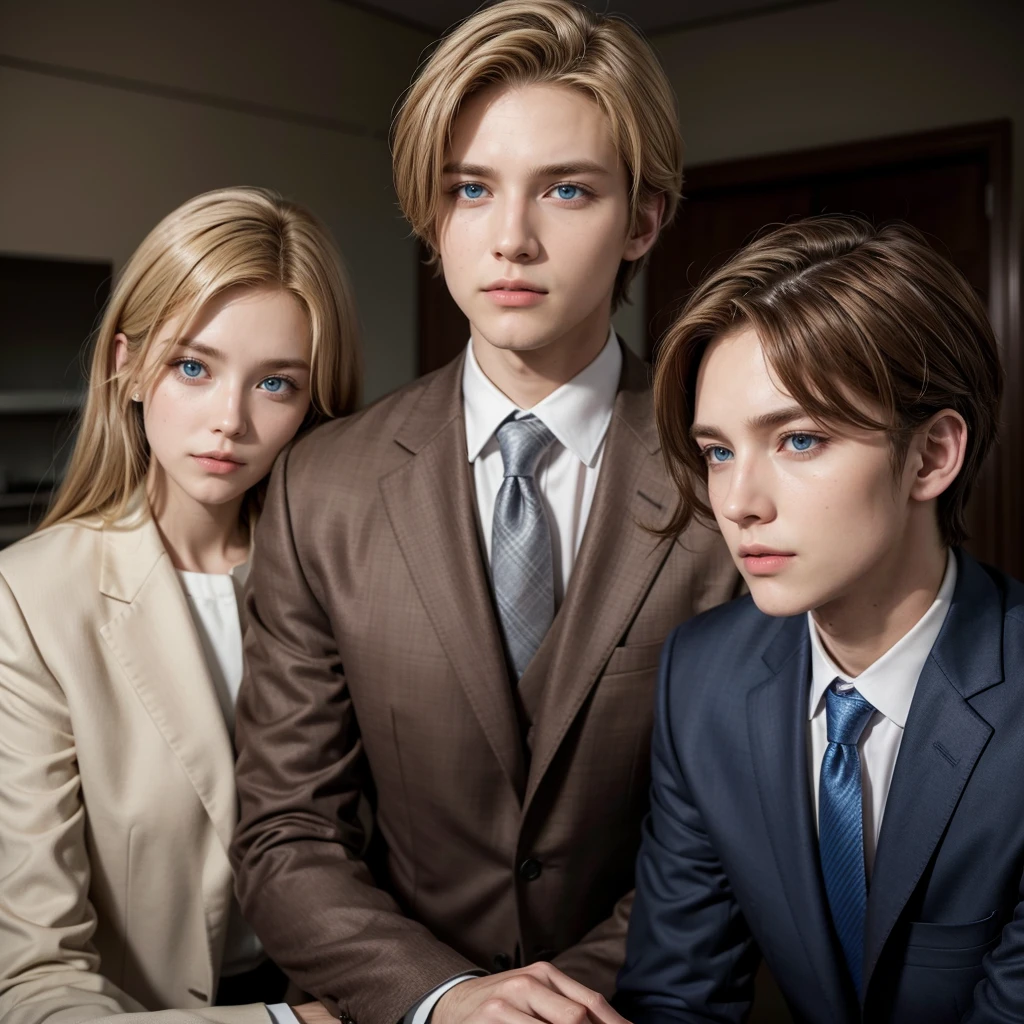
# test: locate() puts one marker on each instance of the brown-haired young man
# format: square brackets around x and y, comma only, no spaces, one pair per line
[456,607]
[836,758]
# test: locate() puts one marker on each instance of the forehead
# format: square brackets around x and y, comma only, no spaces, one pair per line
[537,124]
[734,378]
[244,321]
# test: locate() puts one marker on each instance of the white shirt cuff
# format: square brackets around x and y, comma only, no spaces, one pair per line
[281,1013]
[426,1007]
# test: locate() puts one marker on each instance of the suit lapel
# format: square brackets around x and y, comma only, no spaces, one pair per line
[943,740]
[777,727]
[618,560]
[430,502]
[155,642]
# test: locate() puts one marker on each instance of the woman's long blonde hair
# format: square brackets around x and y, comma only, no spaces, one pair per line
[221,239]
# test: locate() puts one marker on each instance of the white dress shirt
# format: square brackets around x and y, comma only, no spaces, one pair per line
[578,414]
[888,685]
[214,599]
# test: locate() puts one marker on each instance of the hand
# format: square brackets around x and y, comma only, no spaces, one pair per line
[314,1013]
[538,992]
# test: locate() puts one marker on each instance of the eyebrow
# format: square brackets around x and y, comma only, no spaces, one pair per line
[766,421]
[546,171]
[267,364]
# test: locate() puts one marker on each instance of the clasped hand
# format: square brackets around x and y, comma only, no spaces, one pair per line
[538,992]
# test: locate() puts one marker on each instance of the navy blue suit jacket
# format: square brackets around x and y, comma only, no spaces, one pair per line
[728,868]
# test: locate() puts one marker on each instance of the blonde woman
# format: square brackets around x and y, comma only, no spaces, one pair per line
[231,329]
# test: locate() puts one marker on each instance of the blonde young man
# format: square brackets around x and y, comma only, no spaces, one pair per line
[457,607]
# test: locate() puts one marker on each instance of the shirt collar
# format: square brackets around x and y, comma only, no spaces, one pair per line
[577,413]
[889,683]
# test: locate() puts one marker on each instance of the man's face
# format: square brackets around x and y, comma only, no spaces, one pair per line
[535,217]
[808,514]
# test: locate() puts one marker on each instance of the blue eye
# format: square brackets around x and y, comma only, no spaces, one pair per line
[568,191]
[802,442]
[717,453]
[471,191]
[191,368]
[275,385]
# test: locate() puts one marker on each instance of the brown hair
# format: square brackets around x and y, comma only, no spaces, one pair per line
[221,239]
[525,42]
[846,313]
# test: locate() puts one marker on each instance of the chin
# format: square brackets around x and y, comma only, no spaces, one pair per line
[212,492]
[521,334]
[778,598]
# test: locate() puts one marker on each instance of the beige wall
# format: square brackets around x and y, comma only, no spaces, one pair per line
[113,112]
[86,167]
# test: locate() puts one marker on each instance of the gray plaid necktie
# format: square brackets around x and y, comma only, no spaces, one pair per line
[521,561]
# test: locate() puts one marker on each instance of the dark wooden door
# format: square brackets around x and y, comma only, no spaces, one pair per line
[443,329]
[952,185]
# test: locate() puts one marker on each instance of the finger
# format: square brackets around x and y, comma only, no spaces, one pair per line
[534,996]
[499,1011]
[598,1008]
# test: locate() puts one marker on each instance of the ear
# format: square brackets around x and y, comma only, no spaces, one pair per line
[120,351]
[941,444]
[648,226]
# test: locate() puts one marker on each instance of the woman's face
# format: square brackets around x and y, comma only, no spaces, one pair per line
[229,396]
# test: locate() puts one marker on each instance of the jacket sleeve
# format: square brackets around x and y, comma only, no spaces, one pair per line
[298,851]
[596,959]
[49,967]
[690,958]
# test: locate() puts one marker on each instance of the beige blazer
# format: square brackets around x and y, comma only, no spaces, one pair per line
[117,796]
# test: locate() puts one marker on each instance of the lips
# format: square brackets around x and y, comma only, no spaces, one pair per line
[220,457]
[507,284]
[760,551]
[218,463]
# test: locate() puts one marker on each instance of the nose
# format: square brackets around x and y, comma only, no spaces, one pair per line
[230,412]
[515,237]
[747,497]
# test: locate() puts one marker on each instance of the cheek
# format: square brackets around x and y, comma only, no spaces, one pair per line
[168,415]
[276,423]
[591,247]
[462,244]
[855,501]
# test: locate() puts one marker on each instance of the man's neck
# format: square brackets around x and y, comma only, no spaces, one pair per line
[527,377]
[858,628]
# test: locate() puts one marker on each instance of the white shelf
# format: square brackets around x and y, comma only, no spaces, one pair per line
[15,402]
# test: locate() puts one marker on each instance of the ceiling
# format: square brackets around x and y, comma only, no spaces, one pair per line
[650,15]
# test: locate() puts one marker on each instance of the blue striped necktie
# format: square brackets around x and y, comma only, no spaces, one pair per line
[522,563]
[841,823]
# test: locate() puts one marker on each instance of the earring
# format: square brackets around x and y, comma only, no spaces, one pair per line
[136,397]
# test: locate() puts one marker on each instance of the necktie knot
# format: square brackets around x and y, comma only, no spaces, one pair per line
[846,715]
[522,443]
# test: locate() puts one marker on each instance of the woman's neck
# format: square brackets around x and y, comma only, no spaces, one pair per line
[859,627]
[198,537]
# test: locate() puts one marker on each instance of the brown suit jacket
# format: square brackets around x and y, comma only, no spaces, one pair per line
[507,819]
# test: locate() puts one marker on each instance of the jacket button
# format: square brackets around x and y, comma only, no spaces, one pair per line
[502,961]
[530,869]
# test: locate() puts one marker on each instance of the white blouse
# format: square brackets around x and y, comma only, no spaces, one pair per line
[215,600]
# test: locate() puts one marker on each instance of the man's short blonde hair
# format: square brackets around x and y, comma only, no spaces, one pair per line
[526,42]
